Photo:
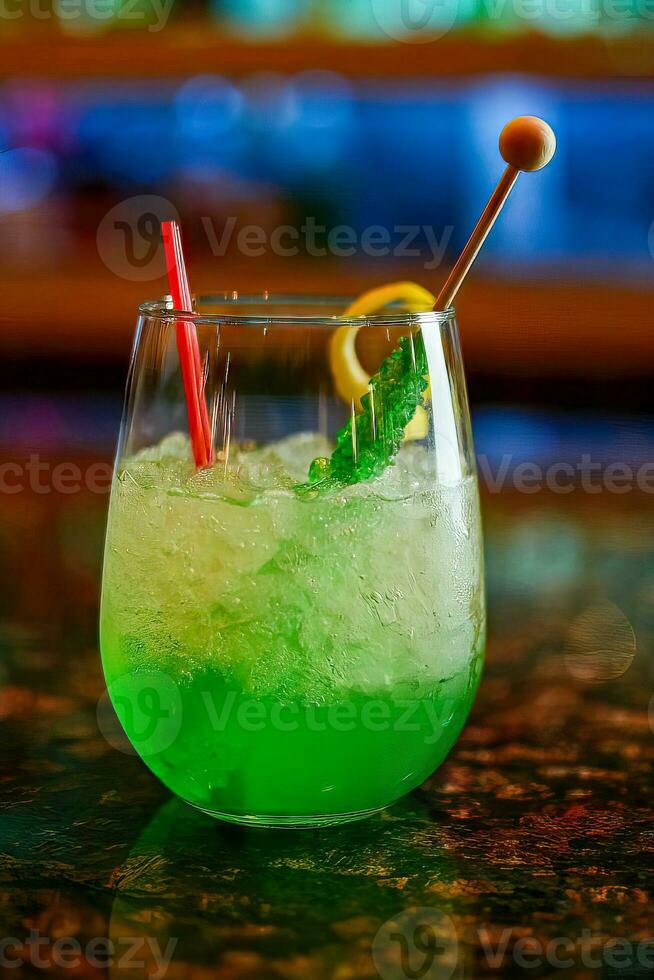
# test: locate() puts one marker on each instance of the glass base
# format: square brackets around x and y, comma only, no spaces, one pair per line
[288,823]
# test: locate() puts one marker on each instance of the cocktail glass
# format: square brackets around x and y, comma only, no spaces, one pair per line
[281,656]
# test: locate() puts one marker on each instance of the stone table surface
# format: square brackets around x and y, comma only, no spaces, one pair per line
[529,853]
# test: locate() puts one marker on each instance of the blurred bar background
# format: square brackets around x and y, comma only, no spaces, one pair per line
[334,119]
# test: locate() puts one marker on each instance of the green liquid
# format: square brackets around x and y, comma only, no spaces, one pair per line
[227,752]
[286,662]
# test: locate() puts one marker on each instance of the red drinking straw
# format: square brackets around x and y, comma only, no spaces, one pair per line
[187,347]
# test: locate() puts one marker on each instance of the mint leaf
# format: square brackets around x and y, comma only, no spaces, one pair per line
[368,442]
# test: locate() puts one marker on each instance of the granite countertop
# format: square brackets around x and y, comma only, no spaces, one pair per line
[529,853]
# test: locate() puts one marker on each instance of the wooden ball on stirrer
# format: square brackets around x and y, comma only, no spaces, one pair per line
[527,143]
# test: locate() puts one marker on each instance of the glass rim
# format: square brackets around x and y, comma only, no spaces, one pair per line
[163,309]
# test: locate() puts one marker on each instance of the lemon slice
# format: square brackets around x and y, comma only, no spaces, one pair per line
[350,379]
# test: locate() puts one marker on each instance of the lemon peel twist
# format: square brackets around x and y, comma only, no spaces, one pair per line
[351,380]
[390,402]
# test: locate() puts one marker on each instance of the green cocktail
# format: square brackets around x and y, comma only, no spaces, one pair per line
[293,635]
[290,660]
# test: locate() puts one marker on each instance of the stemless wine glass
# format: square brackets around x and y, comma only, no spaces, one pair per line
[276,657]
